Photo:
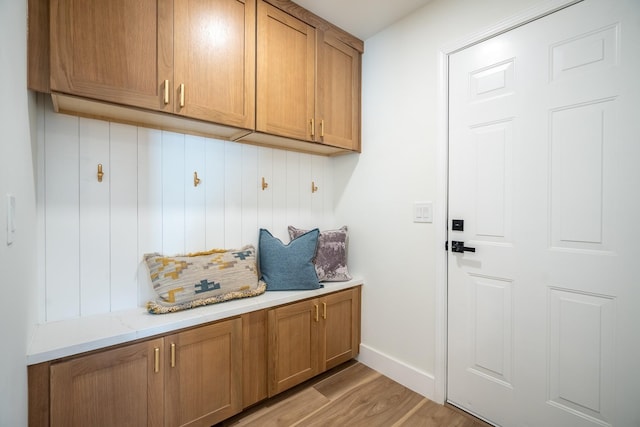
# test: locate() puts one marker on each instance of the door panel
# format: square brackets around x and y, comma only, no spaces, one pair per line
[216,36]
[338,95]
[285,76]
[293,345]
[119,387]
[118,51]
[543,151]
[204,374]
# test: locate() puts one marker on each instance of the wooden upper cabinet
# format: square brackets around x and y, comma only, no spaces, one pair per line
[265,72]
[118,50]
[286,52]
[214,51]
[308,78]
[204,374]
[119,387]
[195,58]
[338,94]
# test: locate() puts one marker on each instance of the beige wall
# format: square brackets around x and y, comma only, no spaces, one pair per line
[375,191]
[17,261]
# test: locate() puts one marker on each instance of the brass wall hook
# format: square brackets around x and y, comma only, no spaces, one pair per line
[314,188]
[265,184]
[100,173]
[196,180]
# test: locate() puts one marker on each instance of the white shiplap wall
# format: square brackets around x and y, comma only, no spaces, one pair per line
[93,235]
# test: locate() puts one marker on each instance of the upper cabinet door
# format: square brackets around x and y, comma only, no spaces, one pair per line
[214,48]
[118,50]
[285,75]
[338,96]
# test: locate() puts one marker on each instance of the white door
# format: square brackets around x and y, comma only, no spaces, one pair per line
[544,169]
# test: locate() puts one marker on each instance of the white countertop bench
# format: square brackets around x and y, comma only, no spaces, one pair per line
[65,338]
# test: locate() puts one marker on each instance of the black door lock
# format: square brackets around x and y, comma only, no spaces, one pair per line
[459,247]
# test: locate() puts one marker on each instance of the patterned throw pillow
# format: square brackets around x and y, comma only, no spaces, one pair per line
[192,280]
[288,267]
[331,258]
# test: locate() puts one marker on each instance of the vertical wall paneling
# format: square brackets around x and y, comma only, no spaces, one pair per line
[306,196]
[173,182]
[294,187]
[265,196]
[194,196]
[328,194]
[149,203]
[278,187]
[94,234]
[233,195]
[318,175]
[214,188]
[123,181]
[41,291]
[94,217]
[250,186]
[62,233]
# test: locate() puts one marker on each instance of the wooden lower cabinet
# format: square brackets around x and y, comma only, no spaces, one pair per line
[293,345]
[203,378]
[254,357]
[340,337]
[119,387]
[191,378]
[199,376]
[311,336]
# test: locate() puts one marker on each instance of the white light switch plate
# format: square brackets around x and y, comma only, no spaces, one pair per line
[422,212]
[11,218]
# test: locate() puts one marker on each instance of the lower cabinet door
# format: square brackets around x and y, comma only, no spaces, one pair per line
[119,387]
[204,374]
[293,345]
[340,339]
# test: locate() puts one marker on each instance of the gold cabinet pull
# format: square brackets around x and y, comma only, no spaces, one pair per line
[321,128]
[313,128]
[166,92]
[100,173]
[314,187]
[196,180]
[324,310]
[265,184]
[316,307]
[173,355]
[181,95]
[156,360]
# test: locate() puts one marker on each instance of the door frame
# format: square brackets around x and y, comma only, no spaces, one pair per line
[442,173]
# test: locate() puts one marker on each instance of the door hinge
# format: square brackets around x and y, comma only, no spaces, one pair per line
[446,245]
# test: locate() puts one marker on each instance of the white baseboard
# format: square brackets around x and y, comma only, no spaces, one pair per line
[410,377]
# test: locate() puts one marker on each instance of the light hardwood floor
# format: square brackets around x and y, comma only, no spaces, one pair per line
[352,395]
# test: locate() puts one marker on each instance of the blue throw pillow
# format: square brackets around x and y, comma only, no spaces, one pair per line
[288,267]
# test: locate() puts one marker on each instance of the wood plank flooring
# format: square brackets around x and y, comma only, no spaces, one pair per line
[351,395]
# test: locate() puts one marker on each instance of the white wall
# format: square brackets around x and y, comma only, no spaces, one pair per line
[374,192]
[398,165]
[93,235]
[17,261]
